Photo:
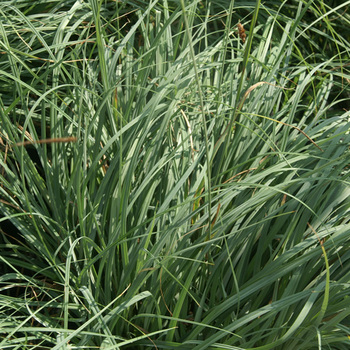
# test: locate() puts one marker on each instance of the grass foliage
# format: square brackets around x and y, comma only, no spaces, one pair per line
[165,184]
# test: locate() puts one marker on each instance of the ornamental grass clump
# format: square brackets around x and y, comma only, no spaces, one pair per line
[174,175]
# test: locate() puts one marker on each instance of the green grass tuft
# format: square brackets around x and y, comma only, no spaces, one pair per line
[167,183]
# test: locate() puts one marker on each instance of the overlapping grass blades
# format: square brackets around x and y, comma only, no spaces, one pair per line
[170,221]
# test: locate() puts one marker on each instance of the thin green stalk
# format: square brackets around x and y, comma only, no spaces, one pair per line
[204,122]
[226,136]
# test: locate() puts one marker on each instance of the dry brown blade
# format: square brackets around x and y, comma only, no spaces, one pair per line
[161,292]
[144,332]
[31,141]
[45,141]
[242,172]
[254,87]
[189,130]
[301,131]
[10,204]
[25,43]
[26,133]
[277,121]
[315,233]
[5,157]
[216,215]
